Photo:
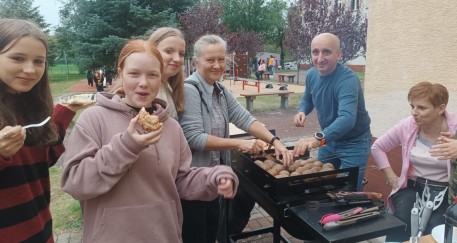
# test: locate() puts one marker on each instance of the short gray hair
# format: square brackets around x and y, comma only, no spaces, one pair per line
[207,40]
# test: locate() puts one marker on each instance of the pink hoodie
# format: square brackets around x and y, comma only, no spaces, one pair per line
[131,193]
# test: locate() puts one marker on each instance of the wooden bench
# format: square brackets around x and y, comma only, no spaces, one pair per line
[290,77]
[266,75]
[251,82]
[250,97]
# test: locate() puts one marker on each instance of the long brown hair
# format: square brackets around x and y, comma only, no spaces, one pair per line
[176,82]
[32,106]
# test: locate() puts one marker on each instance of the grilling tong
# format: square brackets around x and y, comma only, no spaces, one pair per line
[349,217]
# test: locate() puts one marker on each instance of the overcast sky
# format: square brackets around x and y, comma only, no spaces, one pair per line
[49,9]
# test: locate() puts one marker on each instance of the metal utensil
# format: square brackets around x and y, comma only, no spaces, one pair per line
[38,124]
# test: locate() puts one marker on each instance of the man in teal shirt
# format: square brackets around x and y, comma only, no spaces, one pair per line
[336,93]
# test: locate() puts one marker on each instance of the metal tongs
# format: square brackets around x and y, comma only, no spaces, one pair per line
[349,217]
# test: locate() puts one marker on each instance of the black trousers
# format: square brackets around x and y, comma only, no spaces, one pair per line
[403,202]
[201,221]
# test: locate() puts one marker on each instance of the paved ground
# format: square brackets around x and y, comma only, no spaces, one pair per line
[259,218]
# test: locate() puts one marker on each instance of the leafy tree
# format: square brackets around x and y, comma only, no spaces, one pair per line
[241,42]
[260,16]
[98,29]
[22,9]
[245,15]
[308,18]
[203,18]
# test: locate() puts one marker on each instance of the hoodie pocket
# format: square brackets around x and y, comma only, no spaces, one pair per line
[142,223]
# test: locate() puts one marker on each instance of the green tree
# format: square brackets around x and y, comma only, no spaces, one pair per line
[98,29]
[260,16]
[22,9]
[307,18]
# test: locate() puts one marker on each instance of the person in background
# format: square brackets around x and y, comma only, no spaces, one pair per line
[90,77]
[336,93]
[27,154]
[130,179]
[98,80]
[209,108]
[109,77]
[172,47]
[271,65]
[276,64]
[261,69]
[417,134]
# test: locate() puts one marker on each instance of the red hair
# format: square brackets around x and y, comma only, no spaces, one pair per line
[138,46]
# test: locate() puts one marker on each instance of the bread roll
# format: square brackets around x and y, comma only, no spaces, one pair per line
[148,122]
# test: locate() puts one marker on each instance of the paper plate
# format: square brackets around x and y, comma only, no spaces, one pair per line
[79,99]
[438,233]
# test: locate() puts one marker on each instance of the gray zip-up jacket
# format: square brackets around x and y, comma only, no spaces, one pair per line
[196,120]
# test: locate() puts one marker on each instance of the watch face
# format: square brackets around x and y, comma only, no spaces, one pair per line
[319,135]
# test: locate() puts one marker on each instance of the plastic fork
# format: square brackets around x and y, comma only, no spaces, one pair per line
[38,124]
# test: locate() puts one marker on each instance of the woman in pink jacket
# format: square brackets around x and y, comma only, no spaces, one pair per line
[416,135]
[130,181]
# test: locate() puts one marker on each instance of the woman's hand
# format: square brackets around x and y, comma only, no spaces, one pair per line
[445,149]
[225,188]
[146,138]
[11,140]
[392,181]
[253,146]
[281,150]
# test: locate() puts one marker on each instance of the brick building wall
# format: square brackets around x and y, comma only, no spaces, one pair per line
[408,41]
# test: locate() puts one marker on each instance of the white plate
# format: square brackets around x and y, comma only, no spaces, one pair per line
[438,233]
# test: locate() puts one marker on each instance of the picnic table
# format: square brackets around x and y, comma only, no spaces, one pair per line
[290,77]
[250,97]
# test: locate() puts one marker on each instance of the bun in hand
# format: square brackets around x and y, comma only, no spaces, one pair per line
[148,122]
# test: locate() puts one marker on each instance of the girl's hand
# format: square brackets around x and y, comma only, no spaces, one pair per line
[11,140]
[144,139]
[225,188]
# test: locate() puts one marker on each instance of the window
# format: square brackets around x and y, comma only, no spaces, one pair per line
[354,4]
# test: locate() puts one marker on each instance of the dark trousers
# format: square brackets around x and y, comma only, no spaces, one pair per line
[403,202]
[201,221]
[240,211]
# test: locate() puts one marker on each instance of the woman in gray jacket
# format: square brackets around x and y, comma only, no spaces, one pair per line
[209,108]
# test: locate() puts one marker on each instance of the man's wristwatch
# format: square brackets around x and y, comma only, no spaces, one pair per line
[320,137]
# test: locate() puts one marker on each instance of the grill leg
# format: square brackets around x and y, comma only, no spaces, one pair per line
[277,236]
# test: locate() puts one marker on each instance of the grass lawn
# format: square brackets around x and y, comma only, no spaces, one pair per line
[63,77]
[66,212]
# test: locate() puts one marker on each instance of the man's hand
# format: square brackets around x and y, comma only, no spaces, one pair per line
[305,144]
[299,119]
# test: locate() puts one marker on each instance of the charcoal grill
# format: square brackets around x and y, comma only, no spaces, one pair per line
[284,199]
